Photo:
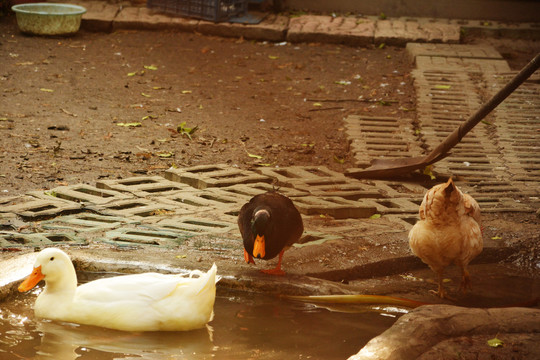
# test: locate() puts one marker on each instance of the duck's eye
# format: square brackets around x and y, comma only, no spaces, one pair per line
[52,258]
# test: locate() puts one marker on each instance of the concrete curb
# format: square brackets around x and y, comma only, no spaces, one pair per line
[348,30]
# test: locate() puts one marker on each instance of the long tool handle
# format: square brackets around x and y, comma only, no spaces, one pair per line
[455,137]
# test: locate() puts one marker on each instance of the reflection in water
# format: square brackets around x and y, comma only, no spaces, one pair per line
[245,326]
[61,340]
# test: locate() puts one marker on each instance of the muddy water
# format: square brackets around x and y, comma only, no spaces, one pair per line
[245,326]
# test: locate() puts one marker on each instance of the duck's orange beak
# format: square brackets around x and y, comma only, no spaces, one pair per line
[258,247]
[35,277]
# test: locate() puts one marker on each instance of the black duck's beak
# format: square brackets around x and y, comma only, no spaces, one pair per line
[258,247]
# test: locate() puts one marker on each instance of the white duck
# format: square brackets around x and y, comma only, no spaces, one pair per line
[140,302]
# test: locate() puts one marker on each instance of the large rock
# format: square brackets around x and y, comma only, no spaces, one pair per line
[447,332]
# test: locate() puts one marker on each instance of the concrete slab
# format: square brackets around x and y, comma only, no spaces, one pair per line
[85,222]
[513,121]
[145,236]
[310,238]
[31,208]
[82,193]
[146,19]
[10,240]
[137,208]
[291,176]
[452,50]
[210,199]
[219,175]
[351,190]
[250,190]
[394,205]
[462,64]
[328,29]
[143,186]
[375,137]
[336,207]
[197,225]
[272,28]
[401,31]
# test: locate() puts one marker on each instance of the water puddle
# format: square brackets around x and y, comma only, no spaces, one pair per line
[245,326]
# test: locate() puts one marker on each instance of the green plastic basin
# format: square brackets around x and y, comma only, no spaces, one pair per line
[48,18]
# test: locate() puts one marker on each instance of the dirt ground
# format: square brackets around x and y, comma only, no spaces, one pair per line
[64,101]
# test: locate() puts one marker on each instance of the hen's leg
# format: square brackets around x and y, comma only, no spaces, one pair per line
[465,280]
[441,292]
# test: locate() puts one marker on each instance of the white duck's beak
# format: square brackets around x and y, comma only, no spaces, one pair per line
[35,277]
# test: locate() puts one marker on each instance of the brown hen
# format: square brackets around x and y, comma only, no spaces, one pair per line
[449,231]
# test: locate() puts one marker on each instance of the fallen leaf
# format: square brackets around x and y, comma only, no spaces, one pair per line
[165,155]
[254,156]
[69,113]
[495,342]
[317,104]
[272,57]
[133,124]
[427,171]
[184,130]
[150,67]
[186,91]
[145,95]
[496,238]
[149,117]
[443,87]
[375,216]
[339,160]
[132,73]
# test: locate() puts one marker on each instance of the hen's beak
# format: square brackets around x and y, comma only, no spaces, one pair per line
[35,277]
[258,247]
